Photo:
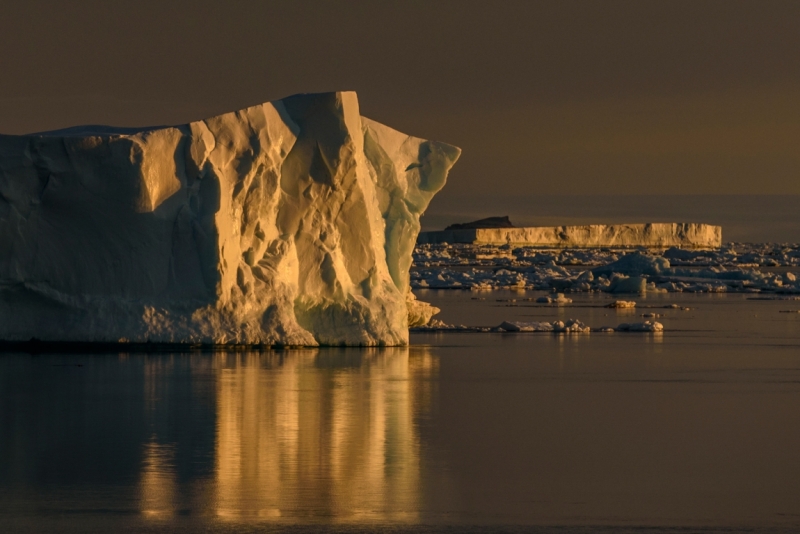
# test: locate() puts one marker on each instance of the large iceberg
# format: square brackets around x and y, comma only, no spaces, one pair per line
[287,223]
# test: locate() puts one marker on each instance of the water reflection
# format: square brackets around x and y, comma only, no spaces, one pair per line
[158,484]
[323,433]
[618,429]
[319,434]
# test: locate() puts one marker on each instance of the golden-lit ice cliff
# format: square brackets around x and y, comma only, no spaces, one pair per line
[289,223]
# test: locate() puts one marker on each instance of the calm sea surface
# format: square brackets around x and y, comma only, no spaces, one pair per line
[698,427]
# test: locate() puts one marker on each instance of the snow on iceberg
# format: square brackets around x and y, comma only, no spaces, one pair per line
[287,223]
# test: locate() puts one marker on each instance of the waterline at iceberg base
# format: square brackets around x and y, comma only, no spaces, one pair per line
[287,223]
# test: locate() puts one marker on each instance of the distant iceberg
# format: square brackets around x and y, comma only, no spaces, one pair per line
[287,223]
[657,235]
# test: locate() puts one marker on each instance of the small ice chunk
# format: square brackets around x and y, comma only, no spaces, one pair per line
[557,298]
[622,304]
[534,326]
[634,284]
[569,326]
[419,313]
[646,326]
[436,325]
[636,264]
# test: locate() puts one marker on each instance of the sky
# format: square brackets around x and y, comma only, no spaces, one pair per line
[545,98]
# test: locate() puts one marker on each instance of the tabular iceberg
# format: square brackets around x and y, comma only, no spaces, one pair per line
[656,235]
[286,223]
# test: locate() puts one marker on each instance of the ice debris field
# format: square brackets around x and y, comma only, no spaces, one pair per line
[734,267]
[767,271]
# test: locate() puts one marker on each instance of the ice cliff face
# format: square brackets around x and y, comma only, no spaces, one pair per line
[289,223]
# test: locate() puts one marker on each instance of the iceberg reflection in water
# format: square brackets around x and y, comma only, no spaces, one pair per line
[172,441]
[329,434]
[695,427]
[319,433]
[159,485]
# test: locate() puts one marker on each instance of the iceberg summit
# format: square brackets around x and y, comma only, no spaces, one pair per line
[287,223]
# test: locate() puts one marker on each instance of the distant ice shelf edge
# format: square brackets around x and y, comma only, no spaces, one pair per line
[287,223]
[685,235]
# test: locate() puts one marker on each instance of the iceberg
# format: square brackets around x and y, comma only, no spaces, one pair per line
[287,223]
[656,235]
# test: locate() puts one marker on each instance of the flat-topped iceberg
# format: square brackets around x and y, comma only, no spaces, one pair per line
[657,235]
[287,223]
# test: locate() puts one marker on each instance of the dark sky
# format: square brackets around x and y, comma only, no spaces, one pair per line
[544,97]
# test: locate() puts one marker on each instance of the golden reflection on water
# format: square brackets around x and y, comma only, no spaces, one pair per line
[310,432]
[317,433]
[158,485]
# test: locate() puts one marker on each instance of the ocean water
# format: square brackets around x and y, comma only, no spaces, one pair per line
[695,429]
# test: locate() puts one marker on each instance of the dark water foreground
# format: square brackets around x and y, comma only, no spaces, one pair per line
[694,430]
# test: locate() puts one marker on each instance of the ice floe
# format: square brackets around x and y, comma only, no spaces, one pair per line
[558,299]
[569,326]
[647,326]
[622,304]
